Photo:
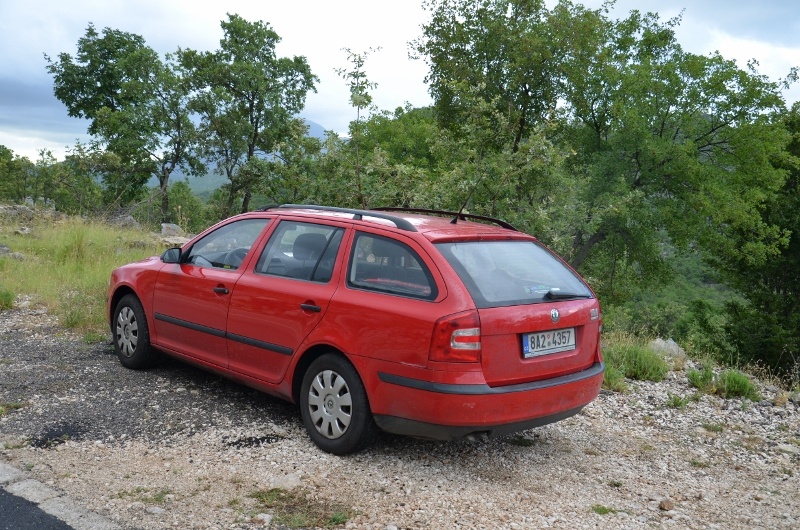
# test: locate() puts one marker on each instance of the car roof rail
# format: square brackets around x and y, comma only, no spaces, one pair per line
[399,222]
[455,215]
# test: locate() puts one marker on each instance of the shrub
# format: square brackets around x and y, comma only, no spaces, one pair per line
[634,359]
[703,379]
[733,383]
[677,402]
[727,384]
[614,380]
[6,299]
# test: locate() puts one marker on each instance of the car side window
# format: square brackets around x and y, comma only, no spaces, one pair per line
[227,246]
[385,265]
[304,251]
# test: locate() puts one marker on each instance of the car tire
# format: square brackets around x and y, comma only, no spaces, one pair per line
[131,335]
[334,406]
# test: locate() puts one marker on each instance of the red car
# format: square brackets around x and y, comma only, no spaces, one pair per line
[421,323]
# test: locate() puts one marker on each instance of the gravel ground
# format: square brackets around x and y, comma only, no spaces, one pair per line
[174,447]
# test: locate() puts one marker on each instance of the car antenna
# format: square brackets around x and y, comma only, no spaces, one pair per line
[463,206]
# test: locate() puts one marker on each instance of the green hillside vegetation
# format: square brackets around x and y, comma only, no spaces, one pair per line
[668,179]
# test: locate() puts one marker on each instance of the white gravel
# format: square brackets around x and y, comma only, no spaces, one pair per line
[176,448]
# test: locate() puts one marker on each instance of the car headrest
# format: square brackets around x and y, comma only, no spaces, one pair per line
[308,246]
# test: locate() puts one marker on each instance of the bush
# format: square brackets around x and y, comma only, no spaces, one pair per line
[727,384]
[633,358]
[614,380]
[702,380]
[733,383]
[6,299]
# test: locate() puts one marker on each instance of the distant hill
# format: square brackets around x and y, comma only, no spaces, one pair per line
[204,185]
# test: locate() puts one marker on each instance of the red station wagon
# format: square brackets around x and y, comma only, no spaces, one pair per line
[423,323]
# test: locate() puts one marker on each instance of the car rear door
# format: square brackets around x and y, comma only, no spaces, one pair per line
[283,297]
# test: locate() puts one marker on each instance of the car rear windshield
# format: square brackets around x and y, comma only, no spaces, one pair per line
[504,273]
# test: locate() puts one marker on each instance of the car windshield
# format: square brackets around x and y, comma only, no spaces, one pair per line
[504,273]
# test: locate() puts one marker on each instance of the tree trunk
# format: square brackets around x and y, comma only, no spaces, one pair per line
[163,181]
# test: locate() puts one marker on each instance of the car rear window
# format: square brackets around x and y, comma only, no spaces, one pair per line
[388,266]
[504,273]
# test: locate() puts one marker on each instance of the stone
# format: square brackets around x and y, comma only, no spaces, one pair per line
[171,230]
[668,347]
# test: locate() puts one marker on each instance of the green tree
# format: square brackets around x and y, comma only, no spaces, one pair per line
[360,99]
[646,141]
[187,209]
[509,53]
[671,144]
[397,162]
[137,104]
[247,98]
[767,327]
[16,175]
[93,79]
[294,169]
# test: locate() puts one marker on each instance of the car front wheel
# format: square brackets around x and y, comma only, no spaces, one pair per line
[334,406]
[131,335]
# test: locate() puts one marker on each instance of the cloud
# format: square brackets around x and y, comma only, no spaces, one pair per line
[319,30]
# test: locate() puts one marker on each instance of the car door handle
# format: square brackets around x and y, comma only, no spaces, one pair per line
[310,307]
[221,290]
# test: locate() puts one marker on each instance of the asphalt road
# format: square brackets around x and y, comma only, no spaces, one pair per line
[27,504]
[17,513]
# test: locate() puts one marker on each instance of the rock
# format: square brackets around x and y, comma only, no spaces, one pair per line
[668,347]
[171,230]
[174,241]
[16,211]
[263,518]
[125,221]
[666,505]
[288,482]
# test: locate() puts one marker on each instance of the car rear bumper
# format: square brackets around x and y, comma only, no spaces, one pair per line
[444,411]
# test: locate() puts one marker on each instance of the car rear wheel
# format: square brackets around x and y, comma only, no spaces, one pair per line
[131,335]
[334,406]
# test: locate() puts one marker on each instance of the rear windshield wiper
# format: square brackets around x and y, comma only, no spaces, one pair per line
[557,294]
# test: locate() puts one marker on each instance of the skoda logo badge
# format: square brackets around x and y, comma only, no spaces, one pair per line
[554,316]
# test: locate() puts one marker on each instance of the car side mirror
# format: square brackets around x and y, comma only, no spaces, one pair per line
[171,255]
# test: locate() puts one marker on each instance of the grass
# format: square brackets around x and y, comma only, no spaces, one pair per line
[628,356]
[602,510]
[614,380]
[727,384]
[5,408]
[296,509]
[145,495]
[6,299]
[713,427]
[66,267]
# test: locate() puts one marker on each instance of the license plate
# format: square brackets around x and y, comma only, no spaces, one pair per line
[547,342]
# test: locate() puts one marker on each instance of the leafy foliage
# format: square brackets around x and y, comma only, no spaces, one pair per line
[766,326]
[137,104]
[247,98]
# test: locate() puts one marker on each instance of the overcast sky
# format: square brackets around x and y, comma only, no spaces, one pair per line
[31,118]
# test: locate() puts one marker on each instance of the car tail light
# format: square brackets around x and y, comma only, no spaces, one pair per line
[457,339]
